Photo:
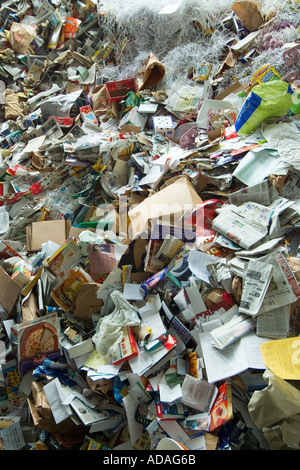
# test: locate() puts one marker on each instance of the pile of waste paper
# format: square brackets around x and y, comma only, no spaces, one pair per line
[149,236]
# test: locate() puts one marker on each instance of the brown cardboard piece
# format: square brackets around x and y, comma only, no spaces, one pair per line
[9,292]
[13,107]
[29,308]
[249,12]
[168,204]
[38,233]
[87,303]
[42,415]
[150,73]
[100,100]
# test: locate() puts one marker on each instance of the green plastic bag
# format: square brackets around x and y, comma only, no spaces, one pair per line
[265,103]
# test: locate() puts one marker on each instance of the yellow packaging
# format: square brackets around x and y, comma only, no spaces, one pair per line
[265,74]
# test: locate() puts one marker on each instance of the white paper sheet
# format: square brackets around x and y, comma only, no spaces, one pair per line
[238,357]
[54,393]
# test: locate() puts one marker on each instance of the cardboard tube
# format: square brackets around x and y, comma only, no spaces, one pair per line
[141,334]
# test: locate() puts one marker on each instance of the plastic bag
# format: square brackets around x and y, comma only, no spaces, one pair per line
[266,103]
[275,410]
[21,36]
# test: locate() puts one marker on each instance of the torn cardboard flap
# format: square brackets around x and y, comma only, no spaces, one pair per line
[9,292]
[42,414]
[249,12]
[150,73]
[38,233]
[30,308]
[87,303]
[165,204]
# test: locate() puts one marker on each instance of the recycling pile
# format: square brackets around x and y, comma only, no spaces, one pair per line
[149,236]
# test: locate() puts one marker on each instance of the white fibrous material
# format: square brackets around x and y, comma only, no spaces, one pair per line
[146,25]
[286,10]
[186,33]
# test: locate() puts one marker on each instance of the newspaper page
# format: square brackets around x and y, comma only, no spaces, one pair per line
[256,284]
[238,326]
[240,230]
[255,213]
[274,324]
[284,288]
[12,435]
[262,193]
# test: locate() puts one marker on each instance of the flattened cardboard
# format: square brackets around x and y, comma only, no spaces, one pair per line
[9,292]
[38,233]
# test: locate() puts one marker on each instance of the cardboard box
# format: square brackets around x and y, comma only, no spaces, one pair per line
[117,90]
[38,233]
[21,273]
[77,350]
[164,125]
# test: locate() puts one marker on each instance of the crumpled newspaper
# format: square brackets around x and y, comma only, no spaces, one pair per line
[108,330]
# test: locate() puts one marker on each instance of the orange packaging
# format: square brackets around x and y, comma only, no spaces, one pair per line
[193,362]
[69,29]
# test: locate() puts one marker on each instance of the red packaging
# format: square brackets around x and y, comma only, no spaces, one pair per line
[202,217]
[221,411]
[127,348]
